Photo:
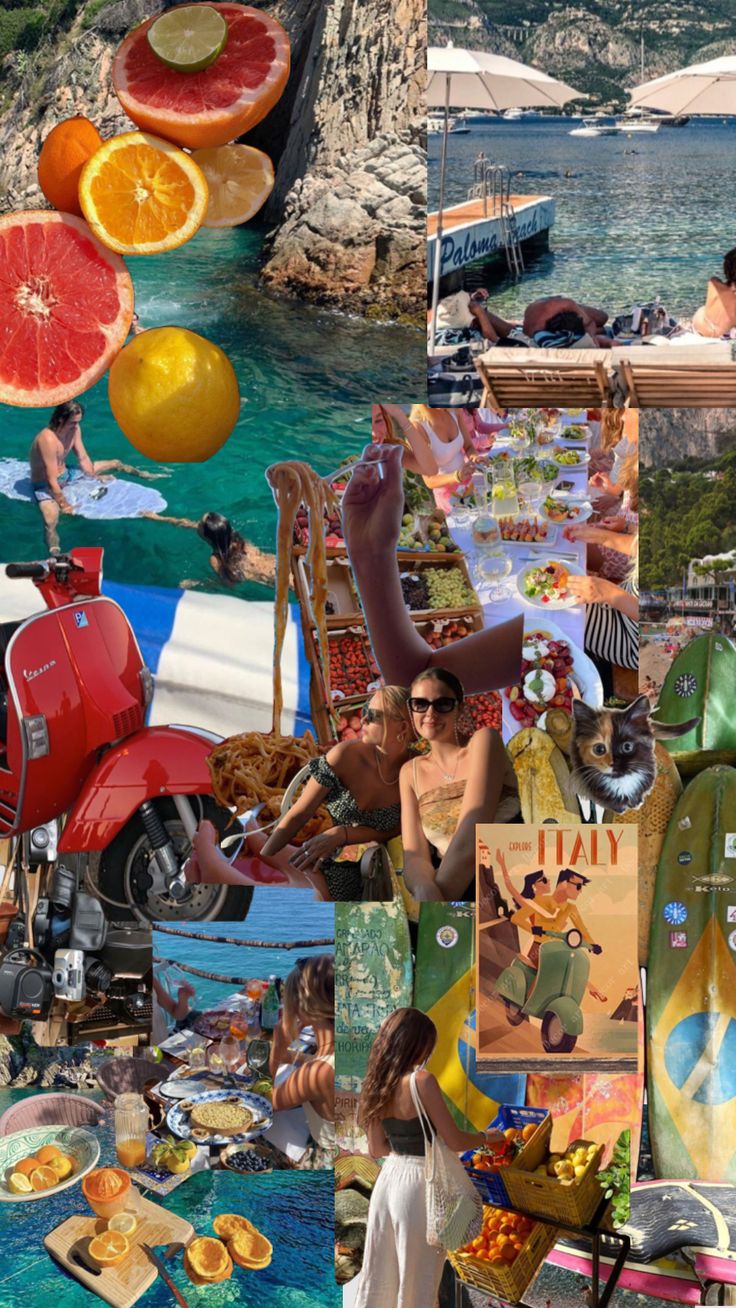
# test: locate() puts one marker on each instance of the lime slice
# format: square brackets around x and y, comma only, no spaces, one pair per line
[188,38]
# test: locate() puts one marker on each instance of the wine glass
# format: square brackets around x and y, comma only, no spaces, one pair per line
[230,1052]
[491,570]
[531,492]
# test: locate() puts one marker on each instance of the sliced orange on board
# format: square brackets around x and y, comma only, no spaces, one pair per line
[217,104]
[108,1249]
[142,195]
[66,305]
[240,180]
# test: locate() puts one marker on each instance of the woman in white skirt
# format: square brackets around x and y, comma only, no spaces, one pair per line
[400,1269]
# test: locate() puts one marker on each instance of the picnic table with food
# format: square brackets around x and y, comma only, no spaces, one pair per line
[97,1183]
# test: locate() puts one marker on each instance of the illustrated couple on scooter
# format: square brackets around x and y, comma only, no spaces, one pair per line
[550,981]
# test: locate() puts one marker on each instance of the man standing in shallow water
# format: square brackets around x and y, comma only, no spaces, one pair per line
[49,473]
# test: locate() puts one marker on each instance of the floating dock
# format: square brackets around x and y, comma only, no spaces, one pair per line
[473,232]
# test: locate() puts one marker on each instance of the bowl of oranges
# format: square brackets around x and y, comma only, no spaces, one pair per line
[43,1160]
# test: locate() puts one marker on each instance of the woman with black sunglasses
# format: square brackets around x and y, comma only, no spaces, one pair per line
[357,781]
[464,778]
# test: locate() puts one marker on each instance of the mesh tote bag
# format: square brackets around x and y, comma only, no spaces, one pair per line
[454,1207]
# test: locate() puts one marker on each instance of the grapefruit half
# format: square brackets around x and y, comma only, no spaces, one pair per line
[66,305]
[216,105]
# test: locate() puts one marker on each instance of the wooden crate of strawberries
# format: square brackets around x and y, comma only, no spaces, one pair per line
[506,1256]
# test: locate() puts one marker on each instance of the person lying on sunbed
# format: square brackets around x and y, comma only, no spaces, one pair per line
[717,317]
[539,315]
[567,331]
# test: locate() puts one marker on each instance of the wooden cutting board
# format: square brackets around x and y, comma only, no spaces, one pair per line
[123,1285]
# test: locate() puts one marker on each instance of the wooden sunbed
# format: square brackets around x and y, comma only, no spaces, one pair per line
[572,379]
[687,377]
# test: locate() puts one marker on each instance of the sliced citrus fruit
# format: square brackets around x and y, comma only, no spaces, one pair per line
[27,1165]
[63,1167]
[19,1184]
[63,155]
[66,305]
[216,105]
[189,37]
[208,1258]
[174,394]
[123,1223]
[44,1178]
[228,1225]
[240,180]
[47,1153]
[142,195]
[108,1249]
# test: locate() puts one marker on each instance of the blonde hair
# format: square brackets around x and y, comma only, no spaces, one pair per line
[309,992]
[395,700]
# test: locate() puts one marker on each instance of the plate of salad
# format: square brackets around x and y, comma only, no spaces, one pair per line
[574,457]
[575,433]
[544,584]
[565,509]
[529,469]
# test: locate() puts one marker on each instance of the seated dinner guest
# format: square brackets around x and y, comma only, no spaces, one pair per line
[464,778]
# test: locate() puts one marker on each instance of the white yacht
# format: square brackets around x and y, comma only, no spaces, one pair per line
[595,126]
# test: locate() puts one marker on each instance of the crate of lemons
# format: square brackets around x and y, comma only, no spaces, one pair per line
[559,1185]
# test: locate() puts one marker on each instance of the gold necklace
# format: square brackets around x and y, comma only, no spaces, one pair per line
[380,773]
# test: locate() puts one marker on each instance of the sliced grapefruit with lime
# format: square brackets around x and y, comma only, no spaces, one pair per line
[66,305]
[217,104]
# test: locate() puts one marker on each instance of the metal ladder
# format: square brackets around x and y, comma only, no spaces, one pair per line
[512,244]
[492,183]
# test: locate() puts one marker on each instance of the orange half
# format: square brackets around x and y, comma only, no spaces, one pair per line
[142,195]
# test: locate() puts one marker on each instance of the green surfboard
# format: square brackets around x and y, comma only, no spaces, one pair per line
[702,682]
[374,976]
[691,987]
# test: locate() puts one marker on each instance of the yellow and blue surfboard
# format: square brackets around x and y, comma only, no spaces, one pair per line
[444,988]
[691,987]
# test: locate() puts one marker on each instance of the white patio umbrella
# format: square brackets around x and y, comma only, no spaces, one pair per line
[708,88]
[471,79]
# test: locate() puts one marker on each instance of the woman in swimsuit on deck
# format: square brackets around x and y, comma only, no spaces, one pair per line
[717,317]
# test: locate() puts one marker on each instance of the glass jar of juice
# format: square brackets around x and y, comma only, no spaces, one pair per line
[131,1125]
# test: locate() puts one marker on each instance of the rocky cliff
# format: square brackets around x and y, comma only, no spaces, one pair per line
[350,121]
[594,44]
[668,436]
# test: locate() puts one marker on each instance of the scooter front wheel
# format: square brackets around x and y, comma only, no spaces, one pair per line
[124,879]
[555,1039]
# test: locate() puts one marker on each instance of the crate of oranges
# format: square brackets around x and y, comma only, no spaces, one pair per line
[562,1185]
[527,1133]
[506,1256]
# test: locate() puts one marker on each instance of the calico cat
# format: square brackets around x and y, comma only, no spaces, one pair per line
[612,752]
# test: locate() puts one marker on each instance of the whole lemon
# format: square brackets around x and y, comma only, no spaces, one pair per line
[174,394]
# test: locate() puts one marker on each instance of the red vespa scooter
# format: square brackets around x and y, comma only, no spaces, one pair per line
[80,770]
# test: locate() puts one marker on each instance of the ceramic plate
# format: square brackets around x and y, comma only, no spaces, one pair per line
[581,439]
[584,506]
[560,457]
[536,601]
[185,1084]
[177,1118]
[81,1145]
[584,673]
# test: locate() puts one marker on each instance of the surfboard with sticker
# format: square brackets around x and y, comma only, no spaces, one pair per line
[89,497]
[702,682]
[374,976]
[691,986]
[444,988]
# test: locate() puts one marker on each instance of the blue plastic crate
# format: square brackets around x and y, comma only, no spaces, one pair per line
[490,1185]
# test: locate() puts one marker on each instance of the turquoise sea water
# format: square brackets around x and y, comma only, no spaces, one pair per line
[639,215]
[307,379]
[275,915]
